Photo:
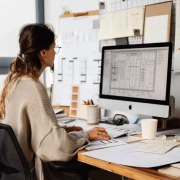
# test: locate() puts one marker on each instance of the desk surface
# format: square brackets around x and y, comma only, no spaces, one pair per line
[130,172]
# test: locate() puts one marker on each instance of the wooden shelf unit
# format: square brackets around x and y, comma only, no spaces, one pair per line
[74,101]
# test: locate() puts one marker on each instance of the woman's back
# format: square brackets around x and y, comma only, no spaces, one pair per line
[24,112]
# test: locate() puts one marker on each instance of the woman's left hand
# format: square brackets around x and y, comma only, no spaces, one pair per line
[73,128]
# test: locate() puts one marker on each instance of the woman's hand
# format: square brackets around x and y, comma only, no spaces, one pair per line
[98,133]
[73,128]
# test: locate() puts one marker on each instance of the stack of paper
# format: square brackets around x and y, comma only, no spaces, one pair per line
[59,113]
[173,170]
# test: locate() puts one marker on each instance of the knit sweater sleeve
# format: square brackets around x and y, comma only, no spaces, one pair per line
[59,145]
[48,140]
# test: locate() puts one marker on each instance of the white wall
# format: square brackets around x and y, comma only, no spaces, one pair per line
[13,14]
[54,8]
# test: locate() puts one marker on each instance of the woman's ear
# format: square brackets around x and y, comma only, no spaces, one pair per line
[43,54]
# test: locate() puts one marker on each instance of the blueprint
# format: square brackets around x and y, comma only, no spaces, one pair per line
[127,155]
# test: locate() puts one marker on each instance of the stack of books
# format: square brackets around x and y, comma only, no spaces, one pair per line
[59,113]
[62,117]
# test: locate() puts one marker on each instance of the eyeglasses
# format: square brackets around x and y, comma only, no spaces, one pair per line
[56,49]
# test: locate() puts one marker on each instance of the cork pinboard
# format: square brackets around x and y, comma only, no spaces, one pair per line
[157,10]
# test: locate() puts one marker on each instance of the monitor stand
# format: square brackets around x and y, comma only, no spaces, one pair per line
[162,122]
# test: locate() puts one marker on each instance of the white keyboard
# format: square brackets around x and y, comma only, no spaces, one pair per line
[114,133]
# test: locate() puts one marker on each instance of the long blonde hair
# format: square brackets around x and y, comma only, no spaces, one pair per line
[32,39]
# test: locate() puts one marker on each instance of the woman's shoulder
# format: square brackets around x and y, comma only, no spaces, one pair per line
[29,80]
[30,84]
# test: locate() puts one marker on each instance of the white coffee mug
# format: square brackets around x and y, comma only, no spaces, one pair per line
[92,115]
[149,128]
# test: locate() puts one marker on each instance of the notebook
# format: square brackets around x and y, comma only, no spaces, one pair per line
[57,111]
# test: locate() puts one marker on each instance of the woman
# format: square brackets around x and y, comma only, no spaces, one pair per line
[25,106]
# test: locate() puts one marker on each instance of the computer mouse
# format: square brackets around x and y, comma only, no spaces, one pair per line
[120,119]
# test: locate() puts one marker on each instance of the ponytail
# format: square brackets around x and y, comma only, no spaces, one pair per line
[32,39]
[18,67]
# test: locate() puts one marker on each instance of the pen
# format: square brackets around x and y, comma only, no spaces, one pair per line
[92,102]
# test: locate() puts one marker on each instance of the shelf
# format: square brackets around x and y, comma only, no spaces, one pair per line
[74,109]
[76,94]
[74,105]
[74,101]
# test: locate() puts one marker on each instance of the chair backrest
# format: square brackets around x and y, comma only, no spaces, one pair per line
[13,164]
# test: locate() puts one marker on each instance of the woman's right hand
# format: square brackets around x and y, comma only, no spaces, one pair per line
[98,133]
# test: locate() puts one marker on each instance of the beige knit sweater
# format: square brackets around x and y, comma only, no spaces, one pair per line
[30,114]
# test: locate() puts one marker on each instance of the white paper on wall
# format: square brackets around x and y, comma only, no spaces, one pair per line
[177,39]
[156,29]
[120,24]
[135,20]
[106,26]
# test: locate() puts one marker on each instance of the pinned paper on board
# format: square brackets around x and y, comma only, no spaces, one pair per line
[121,23]
[177,39]
[135,21]
[156,29]
[157,22]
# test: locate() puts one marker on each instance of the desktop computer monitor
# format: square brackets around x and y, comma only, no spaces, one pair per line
[136,78]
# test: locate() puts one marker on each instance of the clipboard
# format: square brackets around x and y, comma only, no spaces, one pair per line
[77,34]
[156,10]
[80,14]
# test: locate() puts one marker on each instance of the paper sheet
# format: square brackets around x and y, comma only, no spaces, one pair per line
[170,171]
[126,155]
[177,39]
[156,29]
[157,146]
[120,24]
[104,144]
[106,26]
[113,25]
[135,20]
[177,165]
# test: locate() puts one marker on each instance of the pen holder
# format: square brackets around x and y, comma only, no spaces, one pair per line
[93,115]
[82,111]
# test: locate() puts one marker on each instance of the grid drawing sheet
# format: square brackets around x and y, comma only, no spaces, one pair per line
[133,71]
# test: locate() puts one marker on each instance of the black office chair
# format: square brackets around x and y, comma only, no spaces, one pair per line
[72,167]
[13,164]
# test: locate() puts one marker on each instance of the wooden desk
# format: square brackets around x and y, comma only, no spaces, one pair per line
[130,172]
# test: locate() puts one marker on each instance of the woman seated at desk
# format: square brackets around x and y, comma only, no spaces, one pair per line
[25,106]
